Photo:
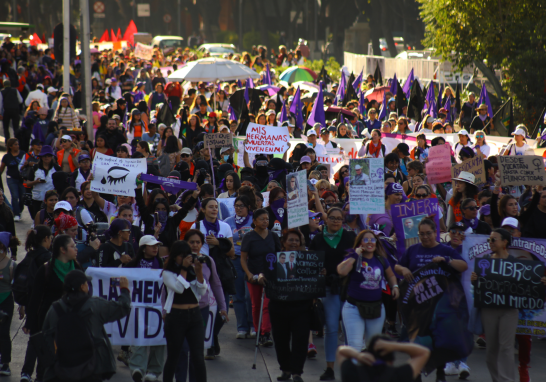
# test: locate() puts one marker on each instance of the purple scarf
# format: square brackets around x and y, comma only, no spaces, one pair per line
[472,223]
[211,228]
[278,209]
[274,174]
[241,221]
[313,234]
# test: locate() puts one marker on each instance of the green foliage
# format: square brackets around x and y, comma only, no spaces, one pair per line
[227,37]
[254,38]
[507,35]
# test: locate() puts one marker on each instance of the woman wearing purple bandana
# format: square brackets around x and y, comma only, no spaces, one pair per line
[278,221]
[470,208]
[212,227]
[394,194]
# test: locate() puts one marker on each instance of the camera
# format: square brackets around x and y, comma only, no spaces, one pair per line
[200,258]
[95,231]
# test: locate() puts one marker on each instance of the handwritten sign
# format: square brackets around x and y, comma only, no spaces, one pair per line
[116,176]
[215,140]
[296,188]
[439,164]
[144,52]
[295,275]
[262,139]
[509,284]
[366,188]
[473,166]
[521,170]
[406,218]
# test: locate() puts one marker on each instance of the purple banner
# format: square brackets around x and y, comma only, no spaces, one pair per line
[169,185]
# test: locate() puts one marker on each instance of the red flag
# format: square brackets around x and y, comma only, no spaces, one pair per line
[129,33]
[44,41]
[118,35]
[35,40]
[105,36]
[113,36]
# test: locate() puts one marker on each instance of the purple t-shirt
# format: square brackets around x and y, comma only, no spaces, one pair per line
[367,285]
[150,264]
[418,256]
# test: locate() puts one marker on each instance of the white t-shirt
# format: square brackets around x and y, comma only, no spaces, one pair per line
[225,231]
[485,149]
[320,150]
[458,147]
[513,149]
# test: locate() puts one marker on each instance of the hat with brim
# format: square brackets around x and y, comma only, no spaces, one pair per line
[357,167]
[519,132]
[83,157]
[510,222]
[63,205]
[148,240]
[46,150]
[465,177]
[313,214]
[305,159]
[458,225]
[463,132]
[186,150]
[482,107]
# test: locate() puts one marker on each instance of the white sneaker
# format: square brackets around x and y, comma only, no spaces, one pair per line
[16,218]
[252,333]
[241,335]
[464,371]
[451,369]
[150,377]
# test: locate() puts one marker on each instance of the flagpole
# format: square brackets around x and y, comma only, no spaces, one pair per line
[498,111]
[541,116]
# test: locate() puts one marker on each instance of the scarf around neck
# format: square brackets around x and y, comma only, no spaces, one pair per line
[472,223]
[333,239]
[61,269]
[241,221]
[211,228]
[278,209]
[374,149]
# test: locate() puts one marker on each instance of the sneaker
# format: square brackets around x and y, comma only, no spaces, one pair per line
[524,374]
[16,218]
[451,369]
[311,351]
[481,342]
[136,374]
[4,370]
[284,376]
[266,340]
[150,377]
[210,354]
[328,375]
[464,371]
[123,356]
[252,333]
[391,331]
[297,378]
[25,377]
[241,335]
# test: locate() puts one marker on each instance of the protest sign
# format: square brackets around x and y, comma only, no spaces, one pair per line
[215,140]
[366,188]
[144,52]
[295,275]
[521,170]
[473,166]
[263,139]
[406,218]
[266,198]
[475,247]
[509,284]
[229,203]
[143,326]
[169,185]
[116,176]
[435,312]
[439,164]
[240,154]
[296,188]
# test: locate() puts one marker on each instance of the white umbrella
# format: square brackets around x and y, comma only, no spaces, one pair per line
[213,69]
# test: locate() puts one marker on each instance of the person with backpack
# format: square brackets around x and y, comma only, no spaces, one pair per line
[78,316]
[41,177]
[37,245]
[367,269]
[7,266]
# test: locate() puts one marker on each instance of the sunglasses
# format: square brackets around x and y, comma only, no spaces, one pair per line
[472,208]
[367,240]
[419,196]
[479,136]
[64,141]
[315,218]
[184,156]
[456,232]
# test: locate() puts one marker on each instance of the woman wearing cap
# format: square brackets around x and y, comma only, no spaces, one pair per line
[469,208]
[481,148]
[11,160]
[67,156]
[334,241]
[41,178]
[66,116]
[481,120]
[464,189]
[520,146]
[464,141]
[271,118]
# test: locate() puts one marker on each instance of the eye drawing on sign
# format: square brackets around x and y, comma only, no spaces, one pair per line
[116,175]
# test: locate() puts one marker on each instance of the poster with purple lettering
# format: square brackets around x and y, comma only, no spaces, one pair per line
[532,319]
[264,139]
[366,188]
[406,218]
[439,164]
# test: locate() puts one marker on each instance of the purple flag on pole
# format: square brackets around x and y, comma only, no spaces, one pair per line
[383,110]
[250,83]
[439,102]
[430,99]
[447,106]
[296,109]
[317,113]
[219,87]
[484,98]
[361,106]
[407,84]
[357,82]
[239,84]
[393,85]
[247,98]
[341,89]
[232,115]
[170,185]
[267,77]
[283,117]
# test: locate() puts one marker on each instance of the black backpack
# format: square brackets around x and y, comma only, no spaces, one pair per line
[20,286]
[75,357]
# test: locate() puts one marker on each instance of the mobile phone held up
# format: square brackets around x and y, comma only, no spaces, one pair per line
[311,186]
[114,281]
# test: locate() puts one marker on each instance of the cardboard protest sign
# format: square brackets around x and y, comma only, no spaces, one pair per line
[435,312]
[366,188]
[263,139]
[521,170]
[116,176]
[144,52]
[406,218]
[439,164]
[215,140]
[296,188]
[294,275]
[474,166]
[507,283]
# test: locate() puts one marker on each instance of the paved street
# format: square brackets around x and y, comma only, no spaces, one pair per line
[236,357]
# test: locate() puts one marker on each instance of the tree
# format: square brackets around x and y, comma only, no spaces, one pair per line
[506,35]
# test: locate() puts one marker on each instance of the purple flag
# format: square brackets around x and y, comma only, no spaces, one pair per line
[341,89]
[357,82]
[439,102]
[393,85]
[239,84]
[447,106]
[484,98]
[250,83]
[267,78]
[219,87]
[296,109]
[407,84]
[283,117]
[383,110]
[317,113]
[430,99]
[169,185]
[246,93]
[232,115]
[361,106]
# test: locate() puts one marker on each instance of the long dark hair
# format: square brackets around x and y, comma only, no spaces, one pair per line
[470,191]
[236,180]
[61,241]
[204,204]
[36,236]
[172,145]
[250,194]
[178,248]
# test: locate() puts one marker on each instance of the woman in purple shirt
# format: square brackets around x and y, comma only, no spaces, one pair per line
[368,270]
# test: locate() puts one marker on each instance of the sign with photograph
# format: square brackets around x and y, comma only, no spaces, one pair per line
[296,190]
[366,187]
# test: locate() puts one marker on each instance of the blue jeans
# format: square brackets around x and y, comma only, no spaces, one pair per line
[332,311]
[182,368]
[241,301]
[355,327]
[17,191]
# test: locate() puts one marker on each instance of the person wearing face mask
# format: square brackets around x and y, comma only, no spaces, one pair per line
[278,221]
[394,194]
[470,208]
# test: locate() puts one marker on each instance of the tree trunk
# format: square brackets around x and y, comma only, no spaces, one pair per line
[386,28]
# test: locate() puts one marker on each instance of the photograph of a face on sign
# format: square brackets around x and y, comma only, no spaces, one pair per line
[292,186]
[411,229]
[359,173]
